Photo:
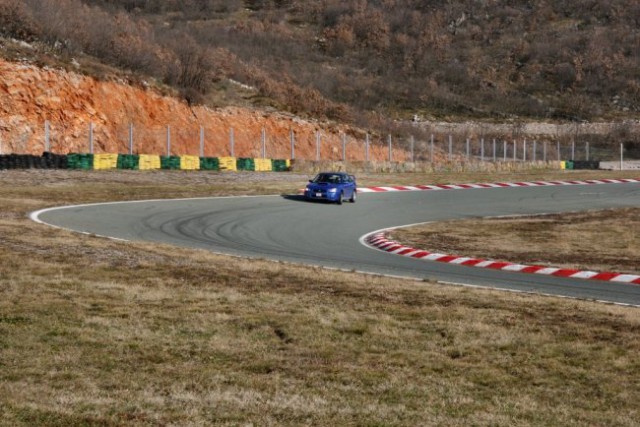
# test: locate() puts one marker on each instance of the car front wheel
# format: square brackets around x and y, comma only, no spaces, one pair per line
[340,196]
[353,197]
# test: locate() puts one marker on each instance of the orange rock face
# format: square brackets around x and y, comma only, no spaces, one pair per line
[48,109]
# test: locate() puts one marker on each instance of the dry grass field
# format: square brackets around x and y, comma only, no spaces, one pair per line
[102,333]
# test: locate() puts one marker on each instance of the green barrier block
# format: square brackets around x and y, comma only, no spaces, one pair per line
[209,163]
[279,165]
[80,161]
[569,164]
[169,162]
[128,161]
[246,164]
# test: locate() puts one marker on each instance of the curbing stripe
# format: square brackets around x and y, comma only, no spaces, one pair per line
[379,241]
[493,185]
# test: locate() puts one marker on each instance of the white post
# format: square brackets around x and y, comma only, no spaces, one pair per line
[168,140]
[431,150]
[318,145]
[558,142]
[515,150]
[231,143]
[47,140]
[390,157]
[344,147]
[263,139]
[130,138]
[293,144]
[91,137]
[482,149]
[524,150]
[621,157]
[494,150]
[450,147]
[535,143]
[544,151]
[573,150]
[587,149]
[468,154]
[504,150]
[366,147]
[201,141]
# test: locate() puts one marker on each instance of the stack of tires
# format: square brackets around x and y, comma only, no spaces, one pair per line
[128,161]
[54,161]
[209,163]
[279,165]
[246,164]
[169,162]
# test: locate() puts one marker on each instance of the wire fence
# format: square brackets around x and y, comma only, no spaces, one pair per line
[316,145]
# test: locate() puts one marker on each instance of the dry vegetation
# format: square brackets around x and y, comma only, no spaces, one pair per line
[96,332]
[343,59]
[601,240]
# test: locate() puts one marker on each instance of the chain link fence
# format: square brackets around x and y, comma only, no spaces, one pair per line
[325,146]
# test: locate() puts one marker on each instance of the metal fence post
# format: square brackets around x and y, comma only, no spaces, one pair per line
[168,140]
[389,147]
[91,137]
[468,153]
[47,140]
[494,150]
[544,151]
[587,150]
[482,149]
[263,140]
[524,150]
[201,141]
[504,150]
[366,147]
[130,138]
[573,150]
[450,147]
[431,150]
[293,144]
[515,150]
[344,147]
[318,145]
[232,142]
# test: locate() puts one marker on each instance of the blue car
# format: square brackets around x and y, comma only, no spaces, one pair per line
[333,187]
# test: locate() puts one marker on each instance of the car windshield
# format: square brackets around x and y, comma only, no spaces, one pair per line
[327,178]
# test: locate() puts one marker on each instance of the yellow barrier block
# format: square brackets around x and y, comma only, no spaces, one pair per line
[263,165]
[563,165]
[149,162]
[189,163]
[288,163]
[228,163]
[105,161]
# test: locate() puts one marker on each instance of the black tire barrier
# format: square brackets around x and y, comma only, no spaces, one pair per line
[54,161]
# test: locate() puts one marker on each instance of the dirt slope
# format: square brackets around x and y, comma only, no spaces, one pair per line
[70,102]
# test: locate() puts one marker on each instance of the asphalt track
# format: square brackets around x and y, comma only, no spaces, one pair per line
[290,229]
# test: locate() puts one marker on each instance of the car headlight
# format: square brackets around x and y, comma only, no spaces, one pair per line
[332,190]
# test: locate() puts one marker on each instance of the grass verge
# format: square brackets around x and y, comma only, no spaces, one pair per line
[96,332]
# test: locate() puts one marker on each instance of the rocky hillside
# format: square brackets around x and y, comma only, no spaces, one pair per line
[70,102]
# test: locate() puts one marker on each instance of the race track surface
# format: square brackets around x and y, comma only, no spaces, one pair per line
[290,229]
